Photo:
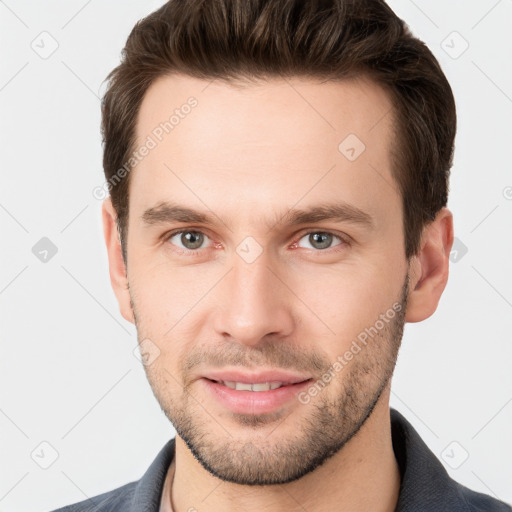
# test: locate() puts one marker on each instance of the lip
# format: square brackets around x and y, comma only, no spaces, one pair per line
[256,377]
[254,402]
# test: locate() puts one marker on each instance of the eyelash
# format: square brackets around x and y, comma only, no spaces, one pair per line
[189,252]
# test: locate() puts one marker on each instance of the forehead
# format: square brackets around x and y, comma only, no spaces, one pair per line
[276,141]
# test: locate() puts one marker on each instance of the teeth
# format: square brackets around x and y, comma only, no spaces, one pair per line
[264,386]
[242,386]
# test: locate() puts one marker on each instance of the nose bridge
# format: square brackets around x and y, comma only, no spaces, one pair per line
[252,282]
[254,304]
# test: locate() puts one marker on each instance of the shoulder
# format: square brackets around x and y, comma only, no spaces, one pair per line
[143,494]
[478,502]
[118,499]
[426,484]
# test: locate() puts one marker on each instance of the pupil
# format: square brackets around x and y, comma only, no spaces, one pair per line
[191,239]
[324,239]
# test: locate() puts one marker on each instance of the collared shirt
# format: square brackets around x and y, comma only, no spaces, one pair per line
[425,485]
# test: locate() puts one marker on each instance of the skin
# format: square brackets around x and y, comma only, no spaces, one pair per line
[248,155]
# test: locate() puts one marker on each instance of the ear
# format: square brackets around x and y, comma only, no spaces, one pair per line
[429,268]
[117,268]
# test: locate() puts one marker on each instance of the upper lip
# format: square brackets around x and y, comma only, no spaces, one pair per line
[256,377]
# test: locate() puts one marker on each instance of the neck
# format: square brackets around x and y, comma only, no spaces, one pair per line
[363,475]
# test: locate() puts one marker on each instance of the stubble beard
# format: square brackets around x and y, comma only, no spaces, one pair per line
[256,454]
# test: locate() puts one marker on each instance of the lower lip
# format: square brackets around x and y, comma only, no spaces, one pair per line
[254,402]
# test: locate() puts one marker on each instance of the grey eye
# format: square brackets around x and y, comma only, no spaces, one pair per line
[320,240]
[189,240]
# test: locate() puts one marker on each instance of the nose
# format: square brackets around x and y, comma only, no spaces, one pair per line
[254,303]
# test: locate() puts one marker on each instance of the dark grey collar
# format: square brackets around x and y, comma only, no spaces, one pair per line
[426,485]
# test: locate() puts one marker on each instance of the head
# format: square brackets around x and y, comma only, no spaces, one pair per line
[303,150]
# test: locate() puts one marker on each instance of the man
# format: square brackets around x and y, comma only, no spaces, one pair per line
[278,178]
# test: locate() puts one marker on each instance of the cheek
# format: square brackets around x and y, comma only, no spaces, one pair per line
[163,294]
[346,298]
[170,311]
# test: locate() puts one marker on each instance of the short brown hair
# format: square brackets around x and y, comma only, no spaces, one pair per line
[325,39]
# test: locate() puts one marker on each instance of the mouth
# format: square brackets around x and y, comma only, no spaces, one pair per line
[255,386]
[264,393]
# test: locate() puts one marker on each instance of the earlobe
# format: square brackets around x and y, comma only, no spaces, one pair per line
[429,268]
[117,267]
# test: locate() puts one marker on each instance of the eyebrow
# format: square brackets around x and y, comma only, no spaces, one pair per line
[167,212]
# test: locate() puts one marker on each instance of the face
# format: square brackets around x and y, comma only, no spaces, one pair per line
[238,271]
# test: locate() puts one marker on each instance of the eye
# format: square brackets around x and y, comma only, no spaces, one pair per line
[190,240]
[321,240]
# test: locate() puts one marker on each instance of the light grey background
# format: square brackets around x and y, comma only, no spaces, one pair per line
[68,373]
